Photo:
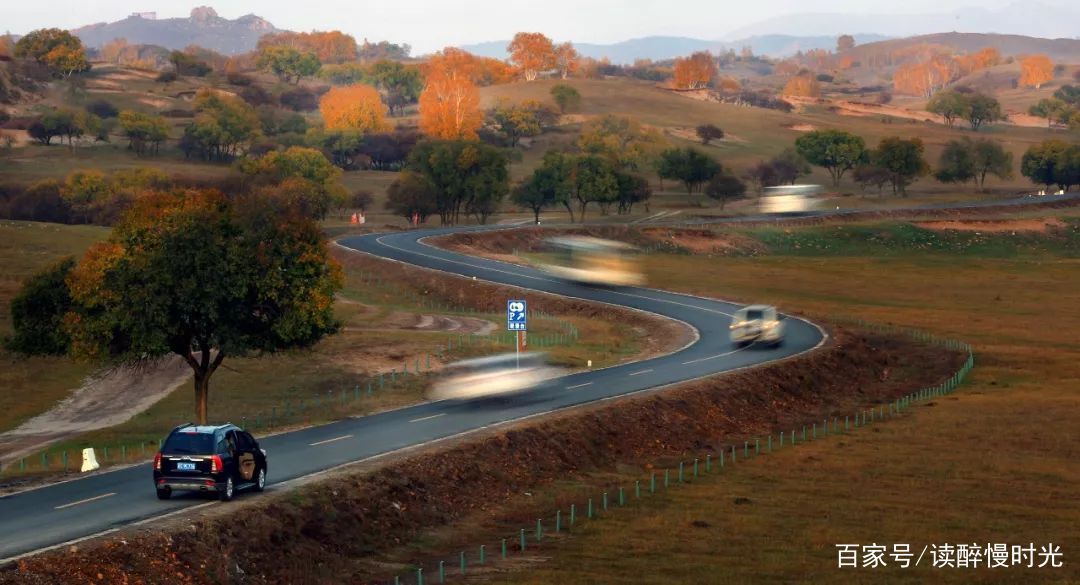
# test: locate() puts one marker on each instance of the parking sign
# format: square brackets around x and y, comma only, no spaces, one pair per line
[516,315]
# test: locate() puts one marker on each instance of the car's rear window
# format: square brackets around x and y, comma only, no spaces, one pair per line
[191,443]
[754,314]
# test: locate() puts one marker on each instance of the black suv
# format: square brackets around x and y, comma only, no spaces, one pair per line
[221,459]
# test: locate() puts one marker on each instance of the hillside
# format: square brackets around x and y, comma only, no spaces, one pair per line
[204,28]
[1059,50]
[659,48]
[1021,17]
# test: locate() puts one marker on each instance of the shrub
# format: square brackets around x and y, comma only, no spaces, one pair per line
[166,77]
[256,96]
[300,99]
[237,78]
[102,109]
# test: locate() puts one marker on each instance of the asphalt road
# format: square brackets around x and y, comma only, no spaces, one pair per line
[60,513]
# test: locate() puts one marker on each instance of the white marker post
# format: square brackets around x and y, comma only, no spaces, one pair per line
[517,320]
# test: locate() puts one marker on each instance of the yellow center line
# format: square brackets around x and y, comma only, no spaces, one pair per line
[330,440]
[102,496]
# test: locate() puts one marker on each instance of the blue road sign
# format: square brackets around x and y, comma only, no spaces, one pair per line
[516,315]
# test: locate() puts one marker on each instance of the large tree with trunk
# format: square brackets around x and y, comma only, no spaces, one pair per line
[204,277]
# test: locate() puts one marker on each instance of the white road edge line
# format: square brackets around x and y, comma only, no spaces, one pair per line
[712,357]
[578,385]
[641,372]
[86,501]
[342,437]
[423,418]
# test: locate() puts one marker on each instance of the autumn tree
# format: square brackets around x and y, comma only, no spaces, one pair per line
[195,275]
[621,140]
[400,84]
[412,194]
[531,53]
[844,43]
[709,132]
[58,50]
[300,179]
[145,132]
[902,159]
[950,105]
[593,179]
[1036,70]
[450,101]
[982,109]
[694,72]
[724,187]
[805,85]
[468,176]
[329,47]
[688,165]
[288,63]
[835,150]
[525,119]
[566,59]
[356,107]
[223,127]
[1054,110]
[567,98]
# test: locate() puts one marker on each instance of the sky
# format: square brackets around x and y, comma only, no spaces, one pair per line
[429,25]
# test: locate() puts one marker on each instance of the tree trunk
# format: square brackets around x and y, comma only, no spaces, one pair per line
[202,391]
[204,367]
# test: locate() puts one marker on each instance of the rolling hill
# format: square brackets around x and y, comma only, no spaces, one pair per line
[1059,50]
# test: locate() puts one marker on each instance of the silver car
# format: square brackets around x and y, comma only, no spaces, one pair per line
[757,323]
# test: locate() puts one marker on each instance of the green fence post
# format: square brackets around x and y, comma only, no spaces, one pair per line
[604,501]
[622,498]
[588,511]
[504,548]
[708,462]
[757,446]
[123,453]
[652,482]
[22,464]
[105,454]
[397,580]
[45,461]
[768,447]
[539,531]
[442,571]
[481,554]
[746,449]
[733,454]
[695,467]
[558,521]
[522,540]
[66,460]
[428,366]
[665,479]
[461,556]
[637,489]
[680,472]
[572,513]
[813,432]
[419,576]
[846,427]
[804,433]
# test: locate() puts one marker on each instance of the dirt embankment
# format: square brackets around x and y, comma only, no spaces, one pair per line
[345,529]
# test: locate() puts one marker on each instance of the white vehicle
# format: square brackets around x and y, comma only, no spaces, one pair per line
[497,375]
[788,199]
[757,323]
[594,261]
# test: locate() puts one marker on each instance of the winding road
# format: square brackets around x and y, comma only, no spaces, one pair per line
[59,514]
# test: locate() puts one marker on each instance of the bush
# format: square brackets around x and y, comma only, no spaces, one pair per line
[300,99]
[237,78]
[166,77]
[884,98]
[38,310]
[825,78]
[102,109]
[4,117]
[256,96]
[178,113]
[41,202]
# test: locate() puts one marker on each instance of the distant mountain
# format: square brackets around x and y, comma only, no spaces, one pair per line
[1059,50]
[661,48]
[204,28]
[1030,18]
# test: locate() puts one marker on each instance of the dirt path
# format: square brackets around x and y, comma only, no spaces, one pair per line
[107,399]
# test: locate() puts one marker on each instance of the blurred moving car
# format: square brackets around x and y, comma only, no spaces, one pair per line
[789,199]
[757,323]
[498,375]
[221,459]
[594,261]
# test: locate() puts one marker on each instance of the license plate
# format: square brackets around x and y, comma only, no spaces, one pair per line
[185,466]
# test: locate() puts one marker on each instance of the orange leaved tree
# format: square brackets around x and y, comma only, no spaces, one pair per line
[694,72]
[450,102]
[356,107]
[566,59]
[531,53]
[1036,70]
[805,85]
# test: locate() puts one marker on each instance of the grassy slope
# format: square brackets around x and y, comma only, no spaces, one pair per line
[993,463]
[30,386]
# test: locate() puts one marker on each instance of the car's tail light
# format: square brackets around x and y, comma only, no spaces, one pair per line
[215,464]
[157,461]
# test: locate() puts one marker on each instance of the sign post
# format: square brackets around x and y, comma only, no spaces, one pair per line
[517,320]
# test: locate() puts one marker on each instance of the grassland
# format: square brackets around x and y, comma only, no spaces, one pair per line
[30,386]
[994,462]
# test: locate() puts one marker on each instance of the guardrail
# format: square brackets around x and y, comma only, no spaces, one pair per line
[566,520]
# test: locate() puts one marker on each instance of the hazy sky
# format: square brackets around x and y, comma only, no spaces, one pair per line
[429,25]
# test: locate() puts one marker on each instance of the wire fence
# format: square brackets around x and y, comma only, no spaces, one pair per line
[595,507]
